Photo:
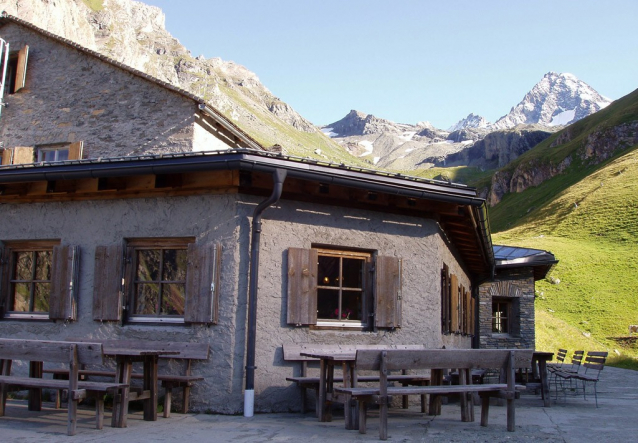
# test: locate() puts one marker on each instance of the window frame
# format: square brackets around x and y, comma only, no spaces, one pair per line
[33,247]
[139,244]
[366,293]
[63,289]
[508,304]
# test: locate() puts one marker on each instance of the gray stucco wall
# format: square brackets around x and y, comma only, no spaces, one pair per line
[226,219]
[70,96]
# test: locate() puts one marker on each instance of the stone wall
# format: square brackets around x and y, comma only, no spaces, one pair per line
[71,96]
[227,219]
[516,286]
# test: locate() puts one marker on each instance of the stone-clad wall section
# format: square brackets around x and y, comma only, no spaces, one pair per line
[71,96]
[518,286]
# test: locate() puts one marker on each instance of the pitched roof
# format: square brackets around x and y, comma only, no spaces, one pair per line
[203,106]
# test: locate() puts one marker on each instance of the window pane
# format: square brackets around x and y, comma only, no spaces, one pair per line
[41,297]
[351,305]
[174,265]
[63,154]
[21,296]
[327,304]
[352,273]
[328,272]
[43,265]
[173,296]
[147,299]
[24,265]
[148,265]
[48,156]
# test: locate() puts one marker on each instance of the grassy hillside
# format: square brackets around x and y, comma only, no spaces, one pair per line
[591,226]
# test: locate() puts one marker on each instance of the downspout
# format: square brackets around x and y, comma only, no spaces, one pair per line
[279,175]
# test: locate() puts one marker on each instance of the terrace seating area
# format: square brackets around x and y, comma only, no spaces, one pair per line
[575,378]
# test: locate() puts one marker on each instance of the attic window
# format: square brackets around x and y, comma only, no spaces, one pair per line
[53,154]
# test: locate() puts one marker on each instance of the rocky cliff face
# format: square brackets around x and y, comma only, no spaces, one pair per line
[134,33]
[598,146]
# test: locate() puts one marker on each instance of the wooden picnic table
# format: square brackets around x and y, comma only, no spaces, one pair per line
[327,362]
[124,358]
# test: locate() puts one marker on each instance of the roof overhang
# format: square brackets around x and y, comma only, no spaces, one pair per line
[461,215]
[507,257]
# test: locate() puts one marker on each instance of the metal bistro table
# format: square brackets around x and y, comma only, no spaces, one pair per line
[328,360]
[125,357]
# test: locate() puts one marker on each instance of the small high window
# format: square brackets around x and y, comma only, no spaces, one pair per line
[15,71]
[53,154]
[501,316]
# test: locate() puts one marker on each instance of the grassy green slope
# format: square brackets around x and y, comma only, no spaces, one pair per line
[592,228]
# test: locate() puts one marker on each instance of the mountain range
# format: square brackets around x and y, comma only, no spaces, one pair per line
[555,101]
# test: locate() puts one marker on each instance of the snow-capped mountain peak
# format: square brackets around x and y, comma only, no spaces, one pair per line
[471,121]
[558,99]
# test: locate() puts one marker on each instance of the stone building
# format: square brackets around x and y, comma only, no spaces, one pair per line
[114,225]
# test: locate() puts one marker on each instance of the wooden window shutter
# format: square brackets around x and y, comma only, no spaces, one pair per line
[202,283]
[64,283]
[454,286]
[445,299]
[21,69]
[22,155]
[388,295]
[7,157]
[4,279]
[302,286]
[472,313]
[107,283]
[76,150]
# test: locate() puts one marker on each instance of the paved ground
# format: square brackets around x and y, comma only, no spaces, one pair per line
[572,419]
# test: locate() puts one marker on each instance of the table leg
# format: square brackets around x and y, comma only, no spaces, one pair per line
[436,379]
[330,382]
[150,384]
[542,368]
[322,390]
[120,408]
[35,394]
[351,408]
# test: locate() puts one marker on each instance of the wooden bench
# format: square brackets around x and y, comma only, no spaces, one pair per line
[186,351]
[436,360]
[72,355]
[292,353]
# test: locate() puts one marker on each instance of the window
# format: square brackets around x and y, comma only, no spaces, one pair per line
[166,280]
[41,280]
[501,316]
[332,287]
[159,278]
[457,305]
[341,287]
[43,153]
[53,154]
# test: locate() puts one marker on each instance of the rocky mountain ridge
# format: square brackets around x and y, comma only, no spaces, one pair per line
[556,100]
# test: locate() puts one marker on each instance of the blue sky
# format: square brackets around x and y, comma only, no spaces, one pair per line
[411,60]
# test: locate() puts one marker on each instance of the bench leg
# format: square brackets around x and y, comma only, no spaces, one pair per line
[383,419]
[168,399]
[186,393]
[363,409]
[511,418]
[72,420]
[303,399]
[99,411]
[485,409]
